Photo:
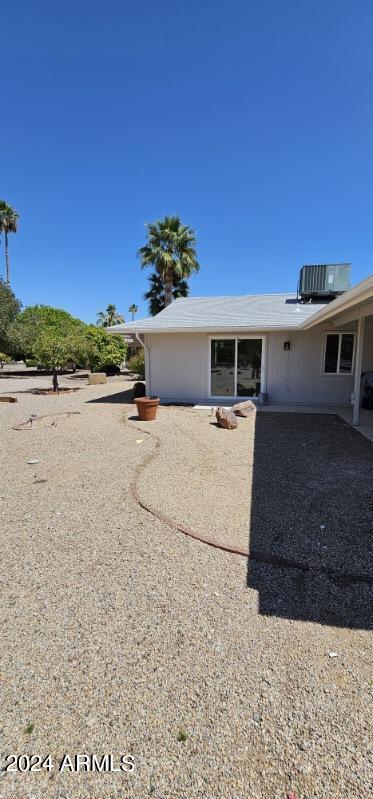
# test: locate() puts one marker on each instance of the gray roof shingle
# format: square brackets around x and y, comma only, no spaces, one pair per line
[250,312]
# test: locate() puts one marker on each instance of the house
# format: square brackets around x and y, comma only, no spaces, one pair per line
[310,348]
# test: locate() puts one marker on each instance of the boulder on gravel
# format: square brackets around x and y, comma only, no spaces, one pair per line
[226,419]
[244,408]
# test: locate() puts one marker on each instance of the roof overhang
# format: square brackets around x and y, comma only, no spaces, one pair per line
[354,303]
[209,330]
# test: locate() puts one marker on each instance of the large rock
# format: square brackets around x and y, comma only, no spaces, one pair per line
[244,408]
[226,419]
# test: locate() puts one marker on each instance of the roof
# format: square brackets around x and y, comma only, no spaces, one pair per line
[204,314]
[349,300]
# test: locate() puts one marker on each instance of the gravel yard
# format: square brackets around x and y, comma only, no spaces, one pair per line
[120,635]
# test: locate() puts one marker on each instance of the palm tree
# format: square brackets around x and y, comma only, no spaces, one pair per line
[170,249]
[156,293]
[132,310]
[109,317]
[8,224]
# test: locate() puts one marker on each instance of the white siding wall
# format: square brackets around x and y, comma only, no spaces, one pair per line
[179,368]
[297,375]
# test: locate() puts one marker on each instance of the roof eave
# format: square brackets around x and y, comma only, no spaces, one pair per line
[358,294]
[214,329]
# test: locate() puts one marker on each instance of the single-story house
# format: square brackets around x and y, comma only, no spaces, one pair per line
[210,350]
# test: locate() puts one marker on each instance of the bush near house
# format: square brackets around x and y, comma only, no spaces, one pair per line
[136,364]
[104,350]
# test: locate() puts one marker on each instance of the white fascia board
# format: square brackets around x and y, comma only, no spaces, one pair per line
[212,330]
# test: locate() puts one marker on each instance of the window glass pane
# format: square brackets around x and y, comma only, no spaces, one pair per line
[331,353]
[249,363]
[222,367]
[347,352]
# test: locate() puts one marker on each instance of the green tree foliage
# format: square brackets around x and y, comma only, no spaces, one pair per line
[55,339]
[8,224]
[9,309]
[104,349]
[170,250]
[109,317]
[57,351]
[133,310]
[156,294]
[37,319]
[4,359]
[136,364]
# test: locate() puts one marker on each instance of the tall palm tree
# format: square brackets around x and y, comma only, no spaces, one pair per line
[8,224]
[156,294]
[170,250]
[109,317]
[132,310]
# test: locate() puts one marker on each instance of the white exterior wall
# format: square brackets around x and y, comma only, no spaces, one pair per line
[179,366]
[297,375]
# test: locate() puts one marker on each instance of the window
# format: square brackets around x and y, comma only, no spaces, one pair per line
[339,353]
[236,367]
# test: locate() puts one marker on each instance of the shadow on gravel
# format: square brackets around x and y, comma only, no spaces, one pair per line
[125,397]
[312,519]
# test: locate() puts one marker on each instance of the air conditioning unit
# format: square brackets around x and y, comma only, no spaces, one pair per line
[324,280]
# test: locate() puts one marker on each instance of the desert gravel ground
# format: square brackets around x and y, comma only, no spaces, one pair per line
[120,635]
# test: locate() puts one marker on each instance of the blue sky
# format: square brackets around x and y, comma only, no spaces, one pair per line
[253,121]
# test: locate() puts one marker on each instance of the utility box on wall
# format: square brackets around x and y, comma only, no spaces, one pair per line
[324,280]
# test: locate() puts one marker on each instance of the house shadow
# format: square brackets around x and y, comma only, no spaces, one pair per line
[311,519]
[122,397]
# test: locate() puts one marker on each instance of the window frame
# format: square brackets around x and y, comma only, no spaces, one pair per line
[339,333]
[236,337]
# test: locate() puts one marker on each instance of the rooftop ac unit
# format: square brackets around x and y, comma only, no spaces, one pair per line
[324,280]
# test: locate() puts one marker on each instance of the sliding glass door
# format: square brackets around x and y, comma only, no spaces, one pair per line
[236,367]
[223,364]
[249,366]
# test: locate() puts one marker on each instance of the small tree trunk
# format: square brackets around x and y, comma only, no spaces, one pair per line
[168,286]
[55,381]
[7,267]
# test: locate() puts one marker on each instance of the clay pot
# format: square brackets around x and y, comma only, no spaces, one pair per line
[147,408]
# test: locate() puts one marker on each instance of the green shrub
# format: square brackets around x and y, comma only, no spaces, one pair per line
[104,350]
[136,364]
[4,359]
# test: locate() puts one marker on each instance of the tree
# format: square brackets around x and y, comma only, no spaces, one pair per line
[170,250]
[56,351]
[37,319]
[8,224]
[104,349]
[109,317]
[9,309]
[133,310]
[156,294]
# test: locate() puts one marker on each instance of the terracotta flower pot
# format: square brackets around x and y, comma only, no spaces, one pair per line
[147,408]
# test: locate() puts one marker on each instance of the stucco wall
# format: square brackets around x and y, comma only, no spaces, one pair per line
[179,368]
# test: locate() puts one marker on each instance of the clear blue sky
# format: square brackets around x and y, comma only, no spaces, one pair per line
[251,119]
